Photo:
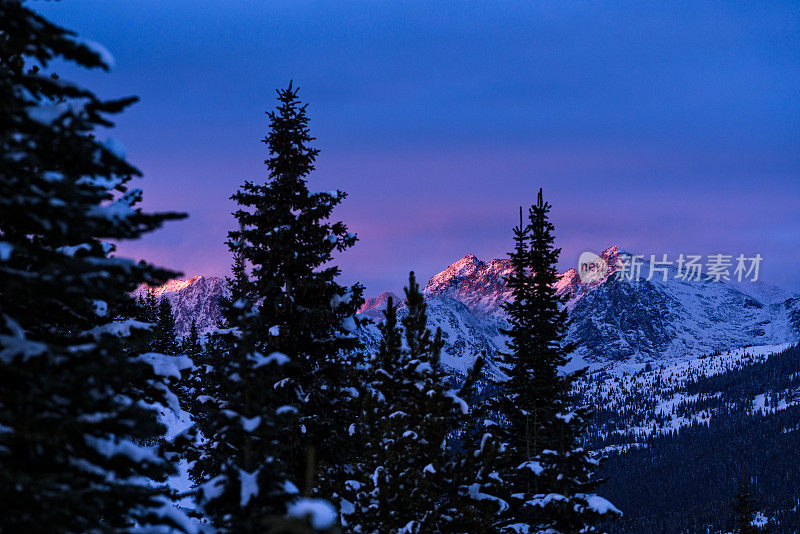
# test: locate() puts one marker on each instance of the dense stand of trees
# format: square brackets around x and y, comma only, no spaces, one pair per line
[294,416]
[295,427]
[406,477]
[685,481]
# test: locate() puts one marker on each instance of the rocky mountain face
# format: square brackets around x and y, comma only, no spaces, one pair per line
[196,298]
[374,307]
[466,334]
[479,285]
[613,318]
[640,319]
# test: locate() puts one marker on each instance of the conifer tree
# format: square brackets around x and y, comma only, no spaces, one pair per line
[548,478]
[141,307]
[79,433]
[408,474]
[476,486]
[190,385]
[146,311]
[191,344]
[200,394]
[151,305]
[165,338]
[744,507]
[146,305]
[278,420]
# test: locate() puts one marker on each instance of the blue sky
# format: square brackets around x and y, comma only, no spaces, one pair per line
[665,127]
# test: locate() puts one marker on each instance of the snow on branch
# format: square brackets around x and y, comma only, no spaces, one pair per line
[167,366]
[120,209]
[248,486]
[598,504]
[458,401]
[5,250]
[110,447]
[118,329]
[17,344]
[259,360]
[475,493]
[213,489]
[533,465]
[318,512]
[102,53]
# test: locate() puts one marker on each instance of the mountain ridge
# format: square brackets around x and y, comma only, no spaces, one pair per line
[612,319]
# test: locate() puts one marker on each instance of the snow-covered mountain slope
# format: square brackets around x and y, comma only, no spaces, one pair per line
[465,333]
[690,427]
[639,400]
[612,318]
[644,319]
[196,298]
[762,292]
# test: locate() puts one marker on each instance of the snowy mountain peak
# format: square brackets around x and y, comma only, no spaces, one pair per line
[373,308]
[568,283]
[480,285]
[612,317]
[613,250]
[617,318]
[466,264]
[572,286]
[174,285]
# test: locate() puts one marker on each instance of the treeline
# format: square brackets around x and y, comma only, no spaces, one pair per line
[778,376]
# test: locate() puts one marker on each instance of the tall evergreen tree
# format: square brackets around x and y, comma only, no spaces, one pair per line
[79,449]
[165,339]
[744,507]
[278,420]
[141,308]
[475,486]
[409,476]
[151,305]
[191,345]
[146,309]
[548,477]
[190,385]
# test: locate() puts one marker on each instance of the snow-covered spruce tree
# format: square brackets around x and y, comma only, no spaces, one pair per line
[409,478]
[79,448]
[548,477]
[199,391]
[277,424]
[190,385]
[475,481]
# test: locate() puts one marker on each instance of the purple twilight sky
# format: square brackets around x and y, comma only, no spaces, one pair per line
[665,127]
